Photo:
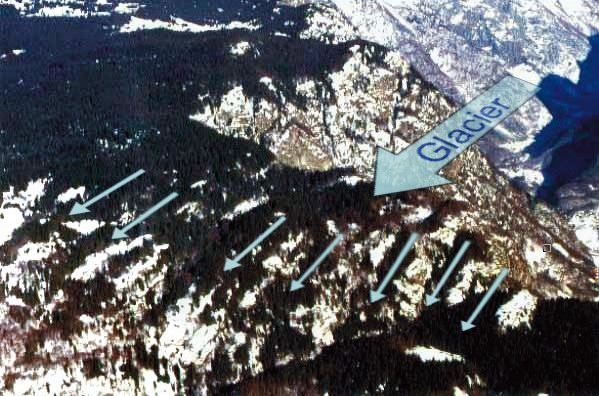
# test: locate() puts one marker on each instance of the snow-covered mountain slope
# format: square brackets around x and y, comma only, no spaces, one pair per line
[473,42]
[248,124]
[464,47]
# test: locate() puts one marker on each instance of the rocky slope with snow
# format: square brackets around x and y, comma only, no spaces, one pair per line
[260,117]
[463,48]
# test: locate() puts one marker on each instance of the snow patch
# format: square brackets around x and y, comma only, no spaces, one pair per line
[586,225]
[60,11]
[418,214]
[245,207]
[35,251]
[249,299]
[16,207]
[526,72]
[184,338]
[84,227]
[427,354]
[127,8]
[71,194]
[240,48]
[378,252]
[518,311]
[323,321]
[127,281]
[96,262]
[273,263]
[181,25]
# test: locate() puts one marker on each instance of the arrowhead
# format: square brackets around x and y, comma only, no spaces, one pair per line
[375,295]
[295,285]
[119,234]
[402,172]
[231,264]
[78,209]
[430,300]
[467,326]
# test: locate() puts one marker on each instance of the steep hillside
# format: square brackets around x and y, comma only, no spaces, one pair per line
[464,47]
[251,119]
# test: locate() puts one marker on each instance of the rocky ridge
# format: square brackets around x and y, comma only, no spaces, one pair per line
[157,315]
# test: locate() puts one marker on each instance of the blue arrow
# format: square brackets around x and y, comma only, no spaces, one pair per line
[122,232]
[376,295]
[298,284]
[83,208]
[431,299]
[468,325]
[417,165]
[230,264]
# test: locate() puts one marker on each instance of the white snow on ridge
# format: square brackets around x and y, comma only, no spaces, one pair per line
[127,8]
[533,177]
[15,302]
[96,262]
[14,208]
[71,194]
[427,354]
[184,338]
[191,210]
[402,21]
[324,320]
[329,26]
[527,73]
[418,214]
[529,39]
[181,25]
[534,253]
[275,263]
[518,311]
[268,82]
[291,243]
[35,251]
[61,11]
[245,207]
[136,271]
[466,275]
[20,272]
[586,225]
[576,12]
[378,253]
[351,180]
[10,219]
[84,227]
[235,104]
[19,5]
[69,8]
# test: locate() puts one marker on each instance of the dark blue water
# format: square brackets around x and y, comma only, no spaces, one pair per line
[573,134]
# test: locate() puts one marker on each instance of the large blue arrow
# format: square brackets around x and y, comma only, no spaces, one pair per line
[230,264]
[377,294]
[120,233]
[417,165]
[298,284]
[468,324]
[83,208]
[431,299]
